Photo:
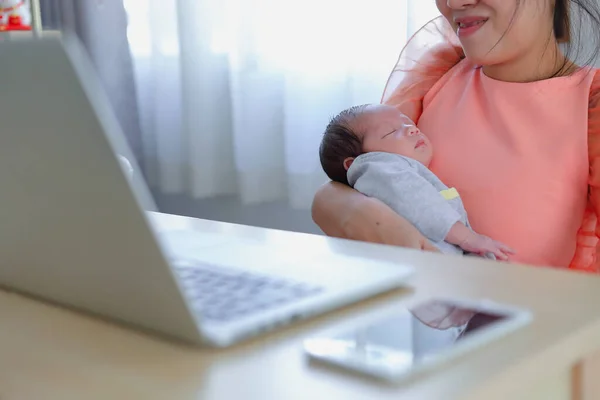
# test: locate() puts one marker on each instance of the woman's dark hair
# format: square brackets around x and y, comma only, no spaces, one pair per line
[576,27]
[562,21]
[340,141]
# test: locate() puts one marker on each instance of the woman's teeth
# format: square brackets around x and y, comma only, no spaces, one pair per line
[470,24]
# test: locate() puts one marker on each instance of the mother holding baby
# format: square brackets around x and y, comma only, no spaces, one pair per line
[515,127]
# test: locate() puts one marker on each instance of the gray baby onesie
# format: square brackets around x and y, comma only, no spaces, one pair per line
[413,191]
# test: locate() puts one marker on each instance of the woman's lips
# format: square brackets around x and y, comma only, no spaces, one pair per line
[469,25]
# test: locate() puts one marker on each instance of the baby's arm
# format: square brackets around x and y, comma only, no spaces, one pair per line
[393,181]
[473,242]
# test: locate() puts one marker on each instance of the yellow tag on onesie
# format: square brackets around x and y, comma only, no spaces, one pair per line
[449,194]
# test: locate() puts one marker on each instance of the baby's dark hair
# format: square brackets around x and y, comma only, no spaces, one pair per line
[341,140]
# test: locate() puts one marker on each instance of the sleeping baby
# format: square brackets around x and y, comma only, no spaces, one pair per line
[381,153]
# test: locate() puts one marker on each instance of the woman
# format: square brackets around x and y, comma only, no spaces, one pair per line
[514,126]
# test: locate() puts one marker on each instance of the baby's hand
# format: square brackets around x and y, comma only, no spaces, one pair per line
[482,245]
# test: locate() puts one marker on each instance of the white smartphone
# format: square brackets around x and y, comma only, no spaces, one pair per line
[402,343]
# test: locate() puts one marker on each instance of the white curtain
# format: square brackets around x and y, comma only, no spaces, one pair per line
[234,94]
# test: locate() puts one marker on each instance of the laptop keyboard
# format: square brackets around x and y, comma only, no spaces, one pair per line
[222,295]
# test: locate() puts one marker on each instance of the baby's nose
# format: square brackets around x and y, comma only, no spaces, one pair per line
[413,130]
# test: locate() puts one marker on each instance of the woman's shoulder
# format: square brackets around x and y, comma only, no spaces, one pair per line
[429,54]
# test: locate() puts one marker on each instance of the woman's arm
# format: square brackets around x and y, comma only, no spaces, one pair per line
[332,206]
[343,212]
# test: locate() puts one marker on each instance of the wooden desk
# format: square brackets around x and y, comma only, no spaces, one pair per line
[51,353]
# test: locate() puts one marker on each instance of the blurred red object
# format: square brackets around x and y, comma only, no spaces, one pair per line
[15,23]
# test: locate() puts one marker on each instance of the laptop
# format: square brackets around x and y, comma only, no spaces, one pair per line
[76,231]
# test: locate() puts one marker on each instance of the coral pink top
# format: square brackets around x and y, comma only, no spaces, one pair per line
[518,153]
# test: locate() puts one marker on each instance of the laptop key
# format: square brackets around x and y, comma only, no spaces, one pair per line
[222,295]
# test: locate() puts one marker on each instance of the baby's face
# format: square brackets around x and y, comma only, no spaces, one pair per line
[388,130]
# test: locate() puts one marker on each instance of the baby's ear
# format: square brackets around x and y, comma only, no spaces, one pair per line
[348,162]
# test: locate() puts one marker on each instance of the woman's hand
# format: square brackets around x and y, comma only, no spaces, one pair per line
[343,212]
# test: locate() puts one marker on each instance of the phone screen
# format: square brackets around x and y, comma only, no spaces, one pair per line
[405,339]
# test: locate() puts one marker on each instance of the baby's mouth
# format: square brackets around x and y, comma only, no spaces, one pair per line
[420,143]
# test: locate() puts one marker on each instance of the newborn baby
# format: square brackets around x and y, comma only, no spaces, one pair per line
[381,153]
